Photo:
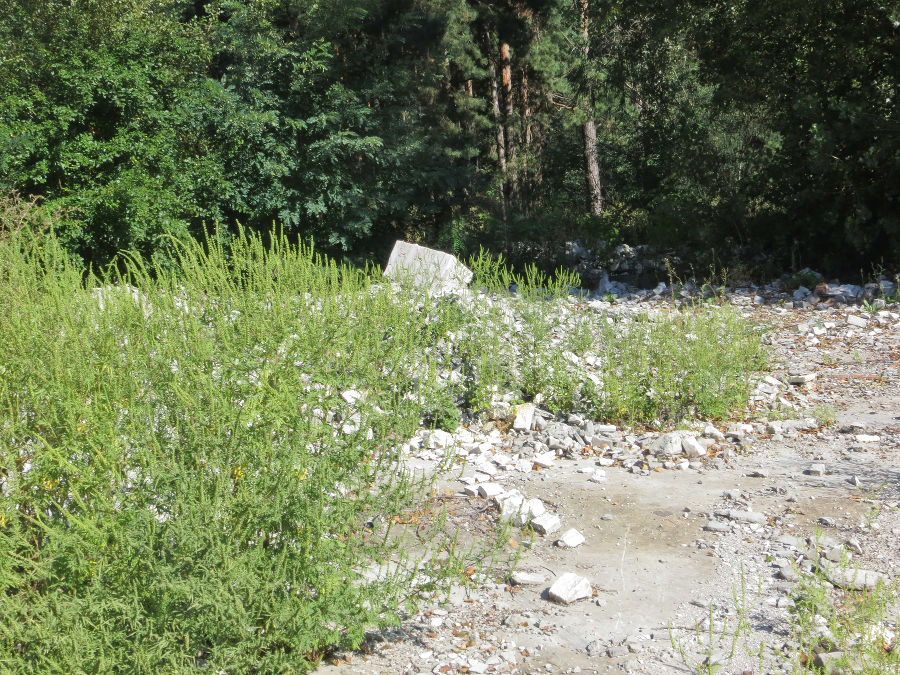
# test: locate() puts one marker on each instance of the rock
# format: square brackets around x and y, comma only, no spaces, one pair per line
[709,431]
[854,480]
[798,380]
[548,523]
[598,476]
[571,539]
[717,526]
[746,516]
[867,438]
[787,573]
[667,445]
[692,447]
[522,578]
[851,578]
[836,553]
[570,587]
[524,417]
[427,268]
[351,396]
[816,470]
[596,648]
[489,490]
[545,459]
[438,438]
[826,662]
[858,321]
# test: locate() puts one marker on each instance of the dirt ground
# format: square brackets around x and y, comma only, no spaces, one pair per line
[658,577]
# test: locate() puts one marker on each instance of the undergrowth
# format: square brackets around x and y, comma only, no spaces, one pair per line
[192,459]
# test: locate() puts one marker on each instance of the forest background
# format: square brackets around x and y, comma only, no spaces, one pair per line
[759,133]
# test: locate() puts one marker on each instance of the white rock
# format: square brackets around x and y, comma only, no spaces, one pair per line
[522,578]
[569,588]
[426,268]
[867,438]
[488,490]
[571,538]
[548,523]
[524,417]
[351,396]
[692,447]
[544,459]
[438,438]
[855,320]
[598,476]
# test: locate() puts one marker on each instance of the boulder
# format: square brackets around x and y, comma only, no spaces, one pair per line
[435,271]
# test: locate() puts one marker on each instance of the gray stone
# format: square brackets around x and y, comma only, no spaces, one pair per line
[745,516]
[717,526]
[816,470]
[858,321]
[427,268]
[667,445]
[851,578]
[570,587]
[596,648]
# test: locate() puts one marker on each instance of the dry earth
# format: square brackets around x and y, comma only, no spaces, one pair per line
[656,574]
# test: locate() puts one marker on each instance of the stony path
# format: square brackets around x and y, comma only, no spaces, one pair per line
[643,538]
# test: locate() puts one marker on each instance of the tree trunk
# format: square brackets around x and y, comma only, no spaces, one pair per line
[592,166]
[589,129]
[512,188]
[501,137]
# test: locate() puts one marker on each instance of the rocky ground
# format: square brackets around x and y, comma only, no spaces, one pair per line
[647,543]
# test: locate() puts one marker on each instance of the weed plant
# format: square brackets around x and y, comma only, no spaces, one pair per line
[200,466]
[183,484]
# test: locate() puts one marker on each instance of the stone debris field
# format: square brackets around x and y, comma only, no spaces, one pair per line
[649,551]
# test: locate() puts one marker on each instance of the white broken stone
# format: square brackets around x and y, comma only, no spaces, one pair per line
[598,476]
[569,588]
[427,268]
[488,490]
[351,396]
[867,438]
[571,538]
[692,447]
[547,523]
[858,321]
[438,438]
[524,417]
[545,459]
[522,578]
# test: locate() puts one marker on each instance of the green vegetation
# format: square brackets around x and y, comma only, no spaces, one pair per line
[847,623]
[186,480]
[718,130]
